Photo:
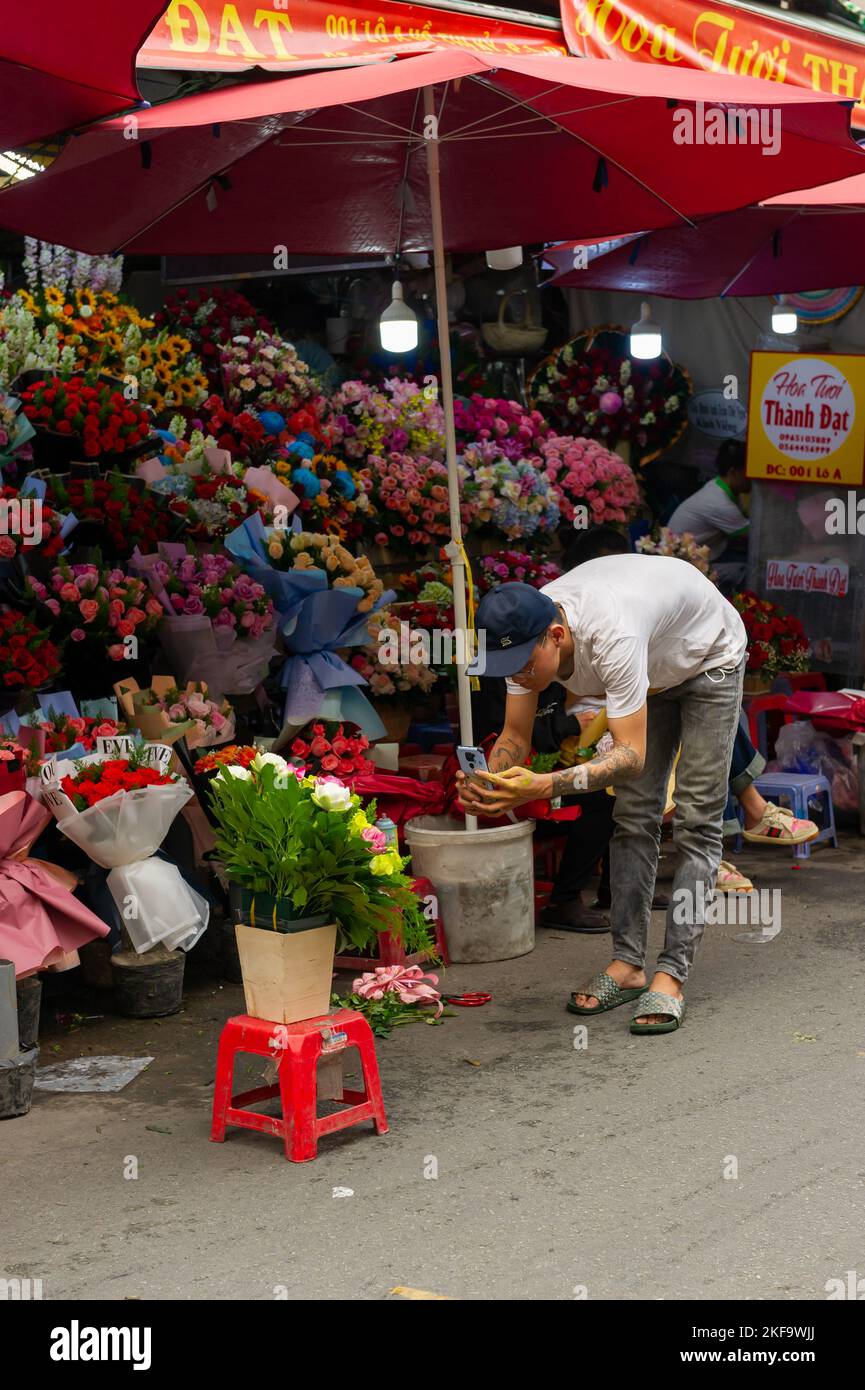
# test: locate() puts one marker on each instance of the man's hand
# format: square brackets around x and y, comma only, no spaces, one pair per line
[515,787]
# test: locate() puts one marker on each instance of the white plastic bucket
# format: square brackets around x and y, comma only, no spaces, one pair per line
[484,880]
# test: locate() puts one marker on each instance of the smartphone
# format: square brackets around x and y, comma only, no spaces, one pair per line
[473,762]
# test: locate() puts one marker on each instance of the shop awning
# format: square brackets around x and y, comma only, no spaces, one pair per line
[64,64]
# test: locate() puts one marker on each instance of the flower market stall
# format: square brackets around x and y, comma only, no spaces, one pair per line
[239,580]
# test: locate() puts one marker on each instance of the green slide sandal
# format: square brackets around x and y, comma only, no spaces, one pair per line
[608,994]
[651,1002]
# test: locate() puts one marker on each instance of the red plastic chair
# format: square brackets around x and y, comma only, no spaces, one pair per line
[296,1048]
[763,704]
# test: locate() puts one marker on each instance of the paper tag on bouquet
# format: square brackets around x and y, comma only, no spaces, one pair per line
[156,755]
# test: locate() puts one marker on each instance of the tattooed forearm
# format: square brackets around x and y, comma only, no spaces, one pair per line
[508,752]
[622,764]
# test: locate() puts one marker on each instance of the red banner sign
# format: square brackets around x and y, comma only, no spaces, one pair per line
[210,35]
[719,38]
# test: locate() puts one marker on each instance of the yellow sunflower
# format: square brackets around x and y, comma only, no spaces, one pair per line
[199,381]
[87,298]
[164,373]
[113,341]
[184,386]
[28,301]
[145,355]
[165,353]
[54,296]
[182,346]
[155,399]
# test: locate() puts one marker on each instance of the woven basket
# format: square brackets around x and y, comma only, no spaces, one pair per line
[527,336]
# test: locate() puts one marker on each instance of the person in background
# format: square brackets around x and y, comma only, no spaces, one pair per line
[712,515]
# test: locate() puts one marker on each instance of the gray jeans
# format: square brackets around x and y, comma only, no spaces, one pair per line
[701,714]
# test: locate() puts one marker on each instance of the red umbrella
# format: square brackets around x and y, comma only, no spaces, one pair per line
[333,162]
[799,241]
[64,64]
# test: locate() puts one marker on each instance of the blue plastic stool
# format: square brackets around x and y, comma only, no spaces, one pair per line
[798,788]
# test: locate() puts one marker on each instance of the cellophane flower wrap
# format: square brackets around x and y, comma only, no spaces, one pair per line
[584,473]
[324,595]
[117,805]
[220,626]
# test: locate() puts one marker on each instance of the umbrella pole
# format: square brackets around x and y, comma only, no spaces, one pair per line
[453,550]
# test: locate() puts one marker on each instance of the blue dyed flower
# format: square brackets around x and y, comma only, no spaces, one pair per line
[343,483]
[273,422]
[306,479]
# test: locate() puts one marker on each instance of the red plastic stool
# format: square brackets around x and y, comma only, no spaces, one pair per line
[296,1047]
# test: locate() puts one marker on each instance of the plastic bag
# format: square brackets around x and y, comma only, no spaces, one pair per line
[801,748]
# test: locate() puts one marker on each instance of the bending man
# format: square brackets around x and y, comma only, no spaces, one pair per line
[658,644]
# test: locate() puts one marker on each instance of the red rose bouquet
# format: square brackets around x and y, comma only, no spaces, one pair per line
[216,503]
[240,432]
[210,316]
[28,526]
[97,781]
[117,805]
[328,749]
[28,660]
[125,513]
[776,640]
[104,421]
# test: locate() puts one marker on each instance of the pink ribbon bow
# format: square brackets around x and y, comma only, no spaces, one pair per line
[408,981]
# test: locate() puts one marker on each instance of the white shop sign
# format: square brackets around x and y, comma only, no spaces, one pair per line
[800,576]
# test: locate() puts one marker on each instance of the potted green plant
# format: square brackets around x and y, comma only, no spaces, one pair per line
[305,861]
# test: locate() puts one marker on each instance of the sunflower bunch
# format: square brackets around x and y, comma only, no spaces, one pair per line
[170,376]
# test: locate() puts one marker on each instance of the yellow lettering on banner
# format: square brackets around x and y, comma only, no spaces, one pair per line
[231,30]
[273,23]
[843,77]
[594,17]
[713,56]
[664,44]
[818,67]
[177,22]
[633,37]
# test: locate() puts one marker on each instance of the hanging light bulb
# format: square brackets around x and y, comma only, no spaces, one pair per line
[506,258]
[646,340]
[784,319]
[398,324]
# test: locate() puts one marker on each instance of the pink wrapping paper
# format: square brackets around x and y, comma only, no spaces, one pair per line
[41,923]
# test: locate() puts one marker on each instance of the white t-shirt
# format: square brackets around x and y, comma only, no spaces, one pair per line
[642,622]
[711,515]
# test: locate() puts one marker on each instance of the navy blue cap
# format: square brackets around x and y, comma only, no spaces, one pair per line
[512,617]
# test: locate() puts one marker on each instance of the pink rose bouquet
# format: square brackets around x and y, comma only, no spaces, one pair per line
[584,473]
[97,606]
